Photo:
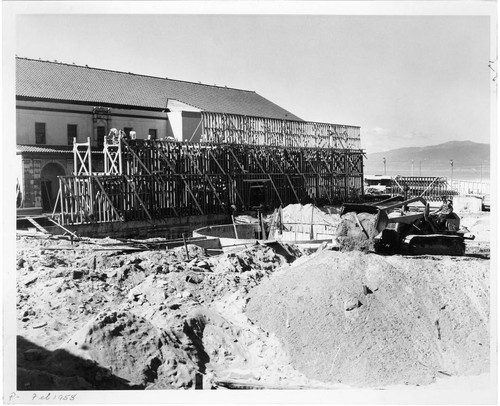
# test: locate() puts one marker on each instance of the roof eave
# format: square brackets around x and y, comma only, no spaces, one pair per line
[91,103]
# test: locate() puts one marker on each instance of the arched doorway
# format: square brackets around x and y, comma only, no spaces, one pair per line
[50,184]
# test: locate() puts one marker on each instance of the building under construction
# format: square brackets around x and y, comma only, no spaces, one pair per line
[187,150]
[241,163]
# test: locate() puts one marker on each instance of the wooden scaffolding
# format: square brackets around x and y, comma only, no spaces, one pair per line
[249,130]
[152,179]
[430,187]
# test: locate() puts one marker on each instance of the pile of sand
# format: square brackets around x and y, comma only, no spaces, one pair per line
[478,224]
[307,214]
[367,320]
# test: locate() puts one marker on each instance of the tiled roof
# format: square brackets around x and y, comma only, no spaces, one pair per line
[58,81]
[52,149]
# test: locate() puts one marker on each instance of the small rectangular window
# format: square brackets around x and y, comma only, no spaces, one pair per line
[153,133]
[101,133]
[40,133]
[72,133]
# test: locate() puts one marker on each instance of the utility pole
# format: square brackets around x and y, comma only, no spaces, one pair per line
[451,182]
[385,172]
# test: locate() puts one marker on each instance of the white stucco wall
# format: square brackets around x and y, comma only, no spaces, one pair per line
[56,122]
[55,125]
[175,119]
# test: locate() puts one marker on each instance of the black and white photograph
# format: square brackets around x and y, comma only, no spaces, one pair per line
[250,202]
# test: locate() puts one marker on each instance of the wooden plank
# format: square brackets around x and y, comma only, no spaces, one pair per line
[38,226]
[60,226]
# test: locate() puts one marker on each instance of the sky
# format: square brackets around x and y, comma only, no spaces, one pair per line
[405,80]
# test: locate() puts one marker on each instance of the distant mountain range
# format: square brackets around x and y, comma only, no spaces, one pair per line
[471,161]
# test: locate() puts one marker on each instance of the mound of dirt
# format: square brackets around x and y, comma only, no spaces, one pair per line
[117,320]
[305,214]
[133,349]
[41,369]
[478,224]
[367,320]
[238,353]
[356,231]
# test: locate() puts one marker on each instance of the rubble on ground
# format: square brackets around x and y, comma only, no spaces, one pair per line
[91,316]
[128,312]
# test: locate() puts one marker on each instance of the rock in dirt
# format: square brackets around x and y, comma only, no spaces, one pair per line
[151,289]
[20,263]
[27,281]
[77,274]
[194,278]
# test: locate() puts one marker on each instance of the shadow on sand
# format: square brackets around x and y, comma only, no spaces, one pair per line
[41,369]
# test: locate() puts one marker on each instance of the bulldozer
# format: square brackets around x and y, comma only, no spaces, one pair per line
[397,230]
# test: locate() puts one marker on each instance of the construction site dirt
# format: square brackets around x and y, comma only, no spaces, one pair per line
[97,314]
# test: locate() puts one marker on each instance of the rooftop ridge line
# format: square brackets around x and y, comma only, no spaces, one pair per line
[135,74]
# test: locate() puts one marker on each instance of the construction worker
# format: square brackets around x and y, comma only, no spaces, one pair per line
[123,135]
[444,211]
[112,137]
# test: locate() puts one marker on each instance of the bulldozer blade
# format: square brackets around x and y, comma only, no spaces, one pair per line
[434,244]
[381,221]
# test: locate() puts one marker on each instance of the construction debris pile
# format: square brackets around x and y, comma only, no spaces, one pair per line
[111,320]
[96,314]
